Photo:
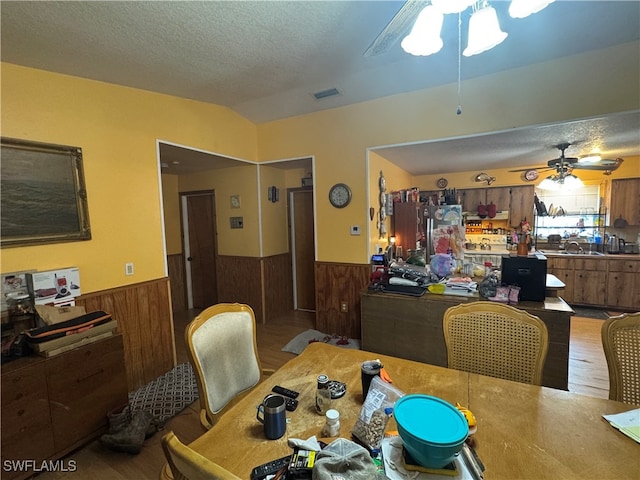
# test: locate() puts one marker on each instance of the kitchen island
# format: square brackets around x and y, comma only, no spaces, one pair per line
[411,327]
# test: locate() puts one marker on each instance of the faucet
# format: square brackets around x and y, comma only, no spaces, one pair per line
[573,243]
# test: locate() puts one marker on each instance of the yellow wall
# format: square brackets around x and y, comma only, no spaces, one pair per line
[274,214]
[117,129]
[171,206]
[395,179]
[531,95]
[240,180]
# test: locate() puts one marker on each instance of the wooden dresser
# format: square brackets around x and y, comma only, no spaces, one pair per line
[51,406]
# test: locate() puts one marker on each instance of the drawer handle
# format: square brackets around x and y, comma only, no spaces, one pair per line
[20,412]
[83,379]
[17,379]
[19,396]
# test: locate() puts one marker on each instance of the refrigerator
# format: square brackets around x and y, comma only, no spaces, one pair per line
[444,230]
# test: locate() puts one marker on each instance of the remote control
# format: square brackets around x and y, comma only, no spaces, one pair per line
[291,403]
[260,472]
[285,391]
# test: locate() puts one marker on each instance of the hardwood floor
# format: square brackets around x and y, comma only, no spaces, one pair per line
[587,375]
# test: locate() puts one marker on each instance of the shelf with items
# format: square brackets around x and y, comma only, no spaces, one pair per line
[583,227]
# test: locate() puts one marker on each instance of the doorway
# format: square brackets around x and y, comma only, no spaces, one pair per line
[302,248]
[200,248]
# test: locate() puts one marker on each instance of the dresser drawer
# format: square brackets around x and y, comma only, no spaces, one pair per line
[83,386]
[26,418]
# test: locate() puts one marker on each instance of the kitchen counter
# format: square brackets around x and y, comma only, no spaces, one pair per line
[613,256]
[411,327]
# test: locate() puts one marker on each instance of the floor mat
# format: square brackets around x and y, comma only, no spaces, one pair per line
[168,394]
[300,342]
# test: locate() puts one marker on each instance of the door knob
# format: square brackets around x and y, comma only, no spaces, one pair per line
[189,259]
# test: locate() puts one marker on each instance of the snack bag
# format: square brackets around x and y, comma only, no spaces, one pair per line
[375,413]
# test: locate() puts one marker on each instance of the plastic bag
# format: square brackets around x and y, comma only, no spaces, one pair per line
[375,413]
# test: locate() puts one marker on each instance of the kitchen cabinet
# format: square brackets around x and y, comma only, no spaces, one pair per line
[521,205]
[500,196]
[603,281]
[625,201]
[54,405]
[589,281]
[518,200]
[563,269]
[472,197]
[623,285]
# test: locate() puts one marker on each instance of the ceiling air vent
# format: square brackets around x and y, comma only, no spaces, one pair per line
[331,92]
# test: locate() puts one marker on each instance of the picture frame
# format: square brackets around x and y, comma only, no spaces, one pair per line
[43,197]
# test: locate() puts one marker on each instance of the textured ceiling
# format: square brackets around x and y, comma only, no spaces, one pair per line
[265,59]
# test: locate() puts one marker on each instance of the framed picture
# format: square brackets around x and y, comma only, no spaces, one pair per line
[43,198]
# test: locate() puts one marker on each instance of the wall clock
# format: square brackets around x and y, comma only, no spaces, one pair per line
[442,182]
[340,195]
[531,175]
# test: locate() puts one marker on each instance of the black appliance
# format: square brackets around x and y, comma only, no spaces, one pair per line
[529,273]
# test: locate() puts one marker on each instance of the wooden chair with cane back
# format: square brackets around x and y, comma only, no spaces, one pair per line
[222,348]
[496,340]
[621,344]
[187,464]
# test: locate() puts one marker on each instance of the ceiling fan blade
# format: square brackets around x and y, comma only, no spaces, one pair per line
[397,27]
[540,169]
[605,164]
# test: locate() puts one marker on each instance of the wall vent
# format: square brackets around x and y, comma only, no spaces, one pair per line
[331,92]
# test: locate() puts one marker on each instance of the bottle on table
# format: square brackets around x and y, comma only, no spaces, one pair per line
[323,395]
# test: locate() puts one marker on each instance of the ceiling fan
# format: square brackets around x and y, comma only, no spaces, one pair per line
[397,26]
[563,165]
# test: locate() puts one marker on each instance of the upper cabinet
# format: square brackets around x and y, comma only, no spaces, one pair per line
[625,201]
[521,205]
[518,201]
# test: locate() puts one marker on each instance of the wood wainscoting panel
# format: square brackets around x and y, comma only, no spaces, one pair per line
[278,286]
[240,280]
[175,265]
[337,283]
[144,316]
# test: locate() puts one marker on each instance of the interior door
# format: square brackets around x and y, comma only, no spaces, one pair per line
[200,249]
[302,249]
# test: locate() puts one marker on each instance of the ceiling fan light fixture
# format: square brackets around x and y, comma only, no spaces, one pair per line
[452,6]
[424,38]
[571,182]
[524,8]
[484,32]
[561,181]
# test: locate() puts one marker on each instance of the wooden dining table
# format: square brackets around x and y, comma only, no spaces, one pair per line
[524,431]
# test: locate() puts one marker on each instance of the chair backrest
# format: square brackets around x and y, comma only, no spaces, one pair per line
[621,344]
[187,464]
[222,348]
[496,340]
